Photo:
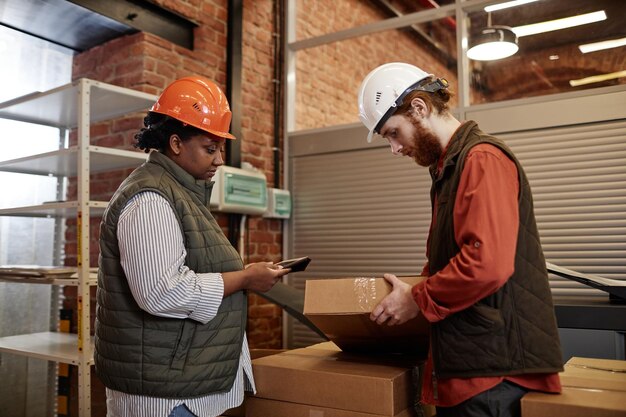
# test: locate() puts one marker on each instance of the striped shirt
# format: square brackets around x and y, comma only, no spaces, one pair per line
[153,259]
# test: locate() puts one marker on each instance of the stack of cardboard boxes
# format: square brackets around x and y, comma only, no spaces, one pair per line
[323,381]
[367,370]
[591,387]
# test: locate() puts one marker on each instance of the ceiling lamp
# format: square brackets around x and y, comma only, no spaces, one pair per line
[493,42]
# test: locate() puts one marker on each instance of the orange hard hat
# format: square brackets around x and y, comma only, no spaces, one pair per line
[199,102]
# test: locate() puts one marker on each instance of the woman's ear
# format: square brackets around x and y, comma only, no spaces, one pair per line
[419,107]
[175,144]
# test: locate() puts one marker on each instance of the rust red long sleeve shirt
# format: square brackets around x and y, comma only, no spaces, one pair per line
[486,221]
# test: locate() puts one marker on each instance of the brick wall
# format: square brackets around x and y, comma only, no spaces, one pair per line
[328,76]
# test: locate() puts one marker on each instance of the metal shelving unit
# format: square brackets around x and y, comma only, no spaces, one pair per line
[74,105]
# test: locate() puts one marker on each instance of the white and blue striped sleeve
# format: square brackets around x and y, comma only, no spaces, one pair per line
[152,255]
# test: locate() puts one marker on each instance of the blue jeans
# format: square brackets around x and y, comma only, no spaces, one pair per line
[181,411]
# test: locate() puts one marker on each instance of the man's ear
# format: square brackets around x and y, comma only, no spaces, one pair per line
[419,107]
[175,144]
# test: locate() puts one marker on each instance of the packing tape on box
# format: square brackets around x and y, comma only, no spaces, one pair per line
[365,291]
[596,368]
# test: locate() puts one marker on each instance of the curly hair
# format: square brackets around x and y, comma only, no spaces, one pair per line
[437,100]
[158,130]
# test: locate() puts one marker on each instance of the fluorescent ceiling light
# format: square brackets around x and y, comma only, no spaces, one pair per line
[598,46]
[506,5]
[597,78]
[558,24]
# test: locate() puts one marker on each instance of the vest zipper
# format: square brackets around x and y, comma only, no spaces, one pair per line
[435,393]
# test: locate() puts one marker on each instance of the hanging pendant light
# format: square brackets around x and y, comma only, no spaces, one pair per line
[493,42]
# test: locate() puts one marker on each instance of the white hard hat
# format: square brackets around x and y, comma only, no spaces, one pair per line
[380,90]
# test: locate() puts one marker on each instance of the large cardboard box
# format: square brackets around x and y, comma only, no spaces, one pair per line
[260,407]
[241,410]
[591,387]
[336,380]
[341,307]
[575,402]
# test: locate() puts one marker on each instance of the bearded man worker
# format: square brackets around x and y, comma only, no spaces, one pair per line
[493,330]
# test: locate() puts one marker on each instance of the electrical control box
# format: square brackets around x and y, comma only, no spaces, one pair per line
[238,190]
[278,203]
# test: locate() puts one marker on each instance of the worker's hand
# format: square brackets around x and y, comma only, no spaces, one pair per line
[259,277]
[398,306]
[262,276]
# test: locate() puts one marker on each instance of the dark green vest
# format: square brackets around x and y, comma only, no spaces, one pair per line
[139,353]
[510,332]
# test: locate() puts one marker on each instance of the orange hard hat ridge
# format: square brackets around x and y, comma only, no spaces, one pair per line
[199,102]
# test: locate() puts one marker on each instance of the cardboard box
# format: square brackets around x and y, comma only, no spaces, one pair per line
[341,308]
[595,373]
[260,407]
[260,353]
[325,378]
[575,402]
[591,387]
[254,354]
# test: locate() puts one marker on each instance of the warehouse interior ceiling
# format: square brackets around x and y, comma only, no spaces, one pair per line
[546,63]
[538,11]
[83,24]
[552,62]
[545,10]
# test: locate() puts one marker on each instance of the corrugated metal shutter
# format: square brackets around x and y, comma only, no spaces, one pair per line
[578,178]
[357,213]
[363,213]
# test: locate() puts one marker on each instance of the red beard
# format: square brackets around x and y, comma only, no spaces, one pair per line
[427,148]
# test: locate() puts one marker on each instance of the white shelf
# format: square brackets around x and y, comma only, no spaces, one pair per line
[93,280]
[52,346]
[59,107]
[79,104]
[64,161]
[56,209]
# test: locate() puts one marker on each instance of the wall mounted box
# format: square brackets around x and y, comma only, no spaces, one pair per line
[239,190]
[278,203]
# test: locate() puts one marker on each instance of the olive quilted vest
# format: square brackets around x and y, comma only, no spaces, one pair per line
[513,331]
[139,353]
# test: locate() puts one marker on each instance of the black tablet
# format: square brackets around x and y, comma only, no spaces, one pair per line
[295,264]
